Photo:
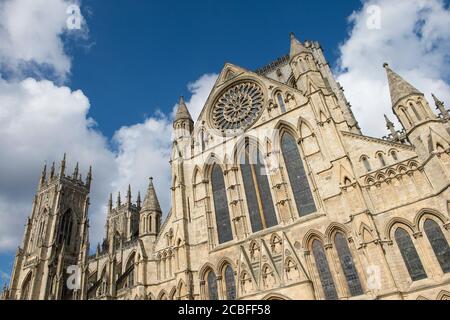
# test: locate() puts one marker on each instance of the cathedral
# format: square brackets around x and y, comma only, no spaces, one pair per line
[275,194]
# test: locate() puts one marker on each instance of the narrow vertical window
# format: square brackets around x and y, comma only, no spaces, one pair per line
[212,286]
[438,243]
[281,103]
[326,278]
[348,265]
[230,283]
[394,155]
[366,163]
[257,190]
[416,113]
[381,159]
[221,205]
[409,254]
[202,140]
[297,176]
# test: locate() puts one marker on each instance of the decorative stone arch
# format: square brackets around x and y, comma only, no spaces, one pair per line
[310,236]
[395,223]
[364,230]
[133,256]
[253,248]
[282,127]
[275,296]
[421,298]
[150,296]
[443,295]
[276,243]
[402,169]
[223,263]
[210,161]
[335,227]
[380,177]
[182,292]
[391,173]
[207,267]
[172,294]
[241,144]
[413,165]
[162,295]
[369,180]
[432,214]
[26,286]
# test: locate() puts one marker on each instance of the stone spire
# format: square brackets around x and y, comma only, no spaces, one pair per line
[129,195]
[182,111]
[43,175]
[110,202]
[138,201]
[89,178]
[441,107]
[62,168]
[119,201]
[296,47]
[399,87]
[75,172]
[52,170]
[151,202]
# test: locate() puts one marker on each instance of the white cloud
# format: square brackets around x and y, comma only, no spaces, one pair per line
[40,121]
[144,149]
[31,36]
[414,40]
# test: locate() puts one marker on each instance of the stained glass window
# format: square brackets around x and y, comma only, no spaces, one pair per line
[409,254]
[297,176]
[348,265]
[438,243]
[257,190]
[221,205]
[326,279]
[281,103]
[230,283]
[212,286]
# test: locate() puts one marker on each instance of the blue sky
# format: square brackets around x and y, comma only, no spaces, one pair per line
[145,52]
[104,94]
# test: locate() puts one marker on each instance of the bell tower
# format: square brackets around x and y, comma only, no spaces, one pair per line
[55,243]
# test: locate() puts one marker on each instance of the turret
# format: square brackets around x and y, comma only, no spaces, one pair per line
[150,214]
[62,168]
[89,178]
[408,103]
[304,67]
[43,175]
[424,130]
[183,123]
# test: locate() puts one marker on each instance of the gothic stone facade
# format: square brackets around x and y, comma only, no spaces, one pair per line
[276,194]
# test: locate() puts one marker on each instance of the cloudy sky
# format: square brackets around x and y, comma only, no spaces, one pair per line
[105,92]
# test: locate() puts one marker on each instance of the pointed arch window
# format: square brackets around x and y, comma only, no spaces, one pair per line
[257,190]
[26,288]
[230,283]
[409,254]
[221,205]
[65,228]
[348,265]
[212,286]
[297,176]
[438,243]
[326,278]
[281,103]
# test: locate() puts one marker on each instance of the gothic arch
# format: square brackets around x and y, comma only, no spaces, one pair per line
[150,296]
[310,236]
[181,290]
[222,264]
[211,160]
[365,230]
[396,222]
[443,295]
[336,227]
[132,256]
[162,295]
[207,267]
[25,288]
[433,214]
[275,296]
[281,127]
[172,294]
